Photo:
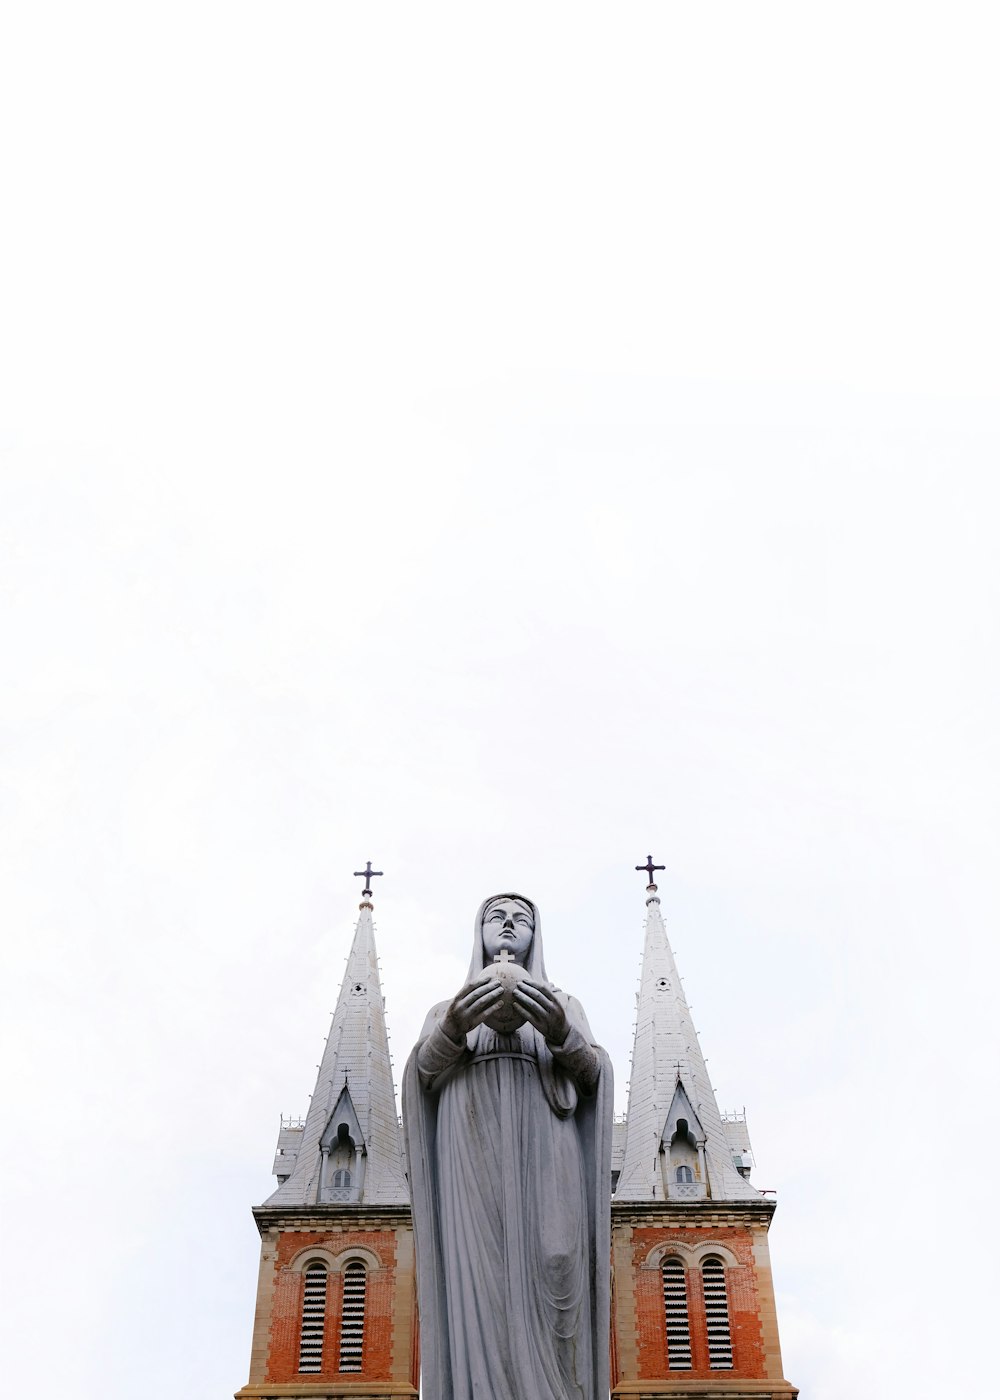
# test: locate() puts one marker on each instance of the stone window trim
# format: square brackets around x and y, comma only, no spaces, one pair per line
[335,1262]
[693,1256]
[354,1253]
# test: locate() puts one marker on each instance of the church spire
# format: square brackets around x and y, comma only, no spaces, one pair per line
[676,1145]
[349,1149]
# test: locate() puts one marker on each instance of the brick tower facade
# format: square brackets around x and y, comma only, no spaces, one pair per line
[692,1308]
[692,1299]
[336,1298]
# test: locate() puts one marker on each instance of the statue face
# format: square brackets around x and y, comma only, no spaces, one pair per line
[508,924]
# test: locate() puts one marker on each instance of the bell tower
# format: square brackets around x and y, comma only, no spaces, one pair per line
[336,1298]
[692,1311]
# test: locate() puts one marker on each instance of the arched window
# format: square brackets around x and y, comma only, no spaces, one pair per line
[313,1318]
[352,1316]
[342,1177]
[675,1303]
[684,1174]
[720,1343]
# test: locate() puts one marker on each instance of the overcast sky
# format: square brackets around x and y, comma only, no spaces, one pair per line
[496,442]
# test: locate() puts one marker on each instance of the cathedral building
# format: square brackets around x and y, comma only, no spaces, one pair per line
[692,1301]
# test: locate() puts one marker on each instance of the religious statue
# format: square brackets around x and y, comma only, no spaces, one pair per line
[507,1109]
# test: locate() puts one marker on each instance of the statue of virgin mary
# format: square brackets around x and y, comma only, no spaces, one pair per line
[508,1137]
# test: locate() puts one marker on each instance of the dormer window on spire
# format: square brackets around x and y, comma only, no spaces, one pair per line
[342,1149]
[682,1150]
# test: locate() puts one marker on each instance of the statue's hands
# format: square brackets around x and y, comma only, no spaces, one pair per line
[540,1005]
[470,1005]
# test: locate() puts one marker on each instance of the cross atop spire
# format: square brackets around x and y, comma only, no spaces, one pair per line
[650,870]
[366,875]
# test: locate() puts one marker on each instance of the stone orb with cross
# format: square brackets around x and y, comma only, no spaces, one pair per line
[505,1018]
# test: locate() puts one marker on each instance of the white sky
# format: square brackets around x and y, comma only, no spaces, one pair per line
[498,442]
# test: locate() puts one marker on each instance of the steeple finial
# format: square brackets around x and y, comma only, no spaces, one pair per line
[650,870]
[366,875]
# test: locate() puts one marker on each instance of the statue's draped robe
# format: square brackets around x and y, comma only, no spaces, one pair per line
[510,1177]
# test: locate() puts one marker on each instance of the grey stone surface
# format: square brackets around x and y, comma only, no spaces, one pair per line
[509,1151]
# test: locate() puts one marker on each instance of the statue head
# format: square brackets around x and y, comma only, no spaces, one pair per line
[512,922]
[508,923]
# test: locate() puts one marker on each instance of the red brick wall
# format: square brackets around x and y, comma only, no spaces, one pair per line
[286,1317]
[650,1318]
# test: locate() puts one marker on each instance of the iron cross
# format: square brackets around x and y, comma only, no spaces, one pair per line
[649,867]
[366,875]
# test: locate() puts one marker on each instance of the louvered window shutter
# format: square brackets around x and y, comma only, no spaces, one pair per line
[352,1319]
[675,1302]
[720,1344]
[313,1319]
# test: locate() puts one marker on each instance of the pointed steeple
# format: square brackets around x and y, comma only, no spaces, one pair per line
[675,1143]
[349,1148]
